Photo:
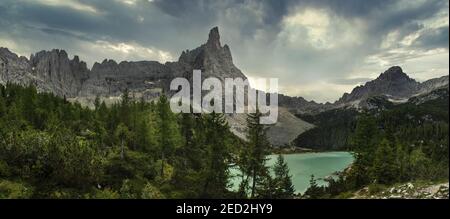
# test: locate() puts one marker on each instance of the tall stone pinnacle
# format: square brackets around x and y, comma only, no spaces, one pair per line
[214,38]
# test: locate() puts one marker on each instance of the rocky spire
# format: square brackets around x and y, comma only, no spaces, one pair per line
[214,39]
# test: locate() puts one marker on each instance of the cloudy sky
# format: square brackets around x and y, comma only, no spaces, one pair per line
[318,49]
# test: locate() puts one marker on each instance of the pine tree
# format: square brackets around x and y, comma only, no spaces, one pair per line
[363,146]
[168,132]
[125,108]
[314,191]
[123,134]
[384,169]
[402,161]
[254,157]
[419,165]
[187,131]
[217,172]
[283,180]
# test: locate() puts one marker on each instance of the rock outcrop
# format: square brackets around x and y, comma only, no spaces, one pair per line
[63,76]
[14,68]
[406,191]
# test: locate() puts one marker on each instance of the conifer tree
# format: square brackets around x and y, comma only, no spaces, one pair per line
[168,133]
[217,172]
[254,156]
[314,191]
[363,144]
[384,168]
[123,134]
[283,180]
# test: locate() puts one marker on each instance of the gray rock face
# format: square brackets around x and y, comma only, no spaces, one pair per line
[392,82]
[111,79]
[440,93]
[13,68]
[49,71]
[63,76]
[433,84]
[212,58]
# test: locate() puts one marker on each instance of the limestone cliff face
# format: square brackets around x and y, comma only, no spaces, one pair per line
[212,58]
[14,68]
[63,76]
[50,71]
[111,79]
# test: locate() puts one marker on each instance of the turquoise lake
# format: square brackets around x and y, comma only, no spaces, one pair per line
[302,166]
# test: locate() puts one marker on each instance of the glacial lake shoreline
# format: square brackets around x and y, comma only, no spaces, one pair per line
[303,165]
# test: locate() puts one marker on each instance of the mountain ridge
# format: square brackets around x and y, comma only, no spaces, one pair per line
[53,71]
[75,72]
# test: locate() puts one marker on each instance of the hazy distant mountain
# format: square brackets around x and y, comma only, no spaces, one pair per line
[394,85]
[298,105]
[333,128]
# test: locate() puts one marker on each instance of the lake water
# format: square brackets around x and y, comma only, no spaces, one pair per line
[302,166]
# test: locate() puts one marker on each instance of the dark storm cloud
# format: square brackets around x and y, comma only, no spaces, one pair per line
[261,41]
[437,38]
[391,19]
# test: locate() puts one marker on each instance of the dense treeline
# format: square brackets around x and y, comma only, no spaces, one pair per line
[51,148]
[332,132]
[406,143]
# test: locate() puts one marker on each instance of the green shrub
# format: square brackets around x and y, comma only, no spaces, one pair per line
[151,192]
[376,188]
[14,190]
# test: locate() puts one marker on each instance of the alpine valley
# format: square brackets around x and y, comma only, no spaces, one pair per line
[54,72]
[69,131]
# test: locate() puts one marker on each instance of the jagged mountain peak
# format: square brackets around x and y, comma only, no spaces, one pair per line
[394,73]
[54,52]
[393,83]
[212,58]
[109,61]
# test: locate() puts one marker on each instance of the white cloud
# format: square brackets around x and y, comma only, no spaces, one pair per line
[129,51]
[74,4]
[320,29]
